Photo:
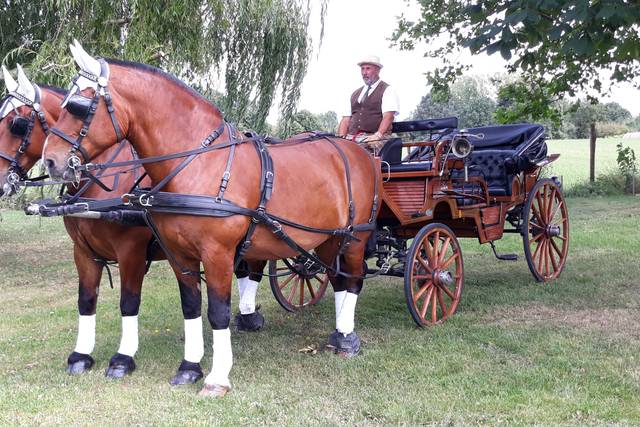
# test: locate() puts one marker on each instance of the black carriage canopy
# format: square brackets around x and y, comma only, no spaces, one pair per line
[502,152]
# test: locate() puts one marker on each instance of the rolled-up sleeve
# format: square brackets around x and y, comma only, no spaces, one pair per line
[390,101]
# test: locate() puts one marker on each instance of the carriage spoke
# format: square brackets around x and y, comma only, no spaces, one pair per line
[292,292]
[540,209]
[287,280]
[436,241]
[538,247]
[443,306]
[434,308]
[427,300]
[422,276]
[555,210]
[424,264]
[448,262]
[443,251]
[546,259]
[551,202]
[422,290]
[448,292]
[310,287]
[301,291]
[556,248]
[537,226]
[319,279]
[552,257]
[539,252]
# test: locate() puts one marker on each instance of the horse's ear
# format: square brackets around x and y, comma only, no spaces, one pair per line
[25,86]
[9,82]
[84,60]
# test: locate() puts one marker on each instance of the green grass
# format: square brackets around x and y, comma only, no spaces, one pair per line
[573,164]
[517,353]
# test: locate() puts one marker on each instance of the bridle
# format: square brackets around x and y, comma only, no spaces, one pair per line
[22,127]
[85,108]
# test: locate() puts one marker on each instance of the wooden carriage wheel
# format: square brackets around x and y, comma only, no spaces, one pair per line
[545,231]
[433,275]
[301,287]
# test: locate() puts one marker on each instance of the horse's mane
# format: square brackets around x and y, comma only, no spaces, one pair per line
[54,89]
[162,74]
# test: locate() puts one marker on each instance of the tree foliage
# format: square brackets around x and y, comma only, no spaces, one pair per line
[469,99]
[562,46]
[257,49]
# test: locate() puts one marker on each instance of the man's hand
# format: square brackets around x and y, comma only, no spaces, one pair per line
[375,141]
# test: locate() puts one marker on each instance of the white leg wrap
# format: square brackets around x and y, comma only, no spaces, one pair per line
[345,322]
[86,334]
[242,284]
[129,339]
[339,299]
[222,358]
[248,298]
[193,340]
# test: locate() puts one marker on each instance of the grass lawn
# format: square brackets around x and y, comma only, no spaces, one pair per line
[573,164]
[517,353]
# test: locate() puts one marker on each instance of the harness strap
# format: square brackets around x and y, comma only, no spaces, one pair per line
[210,138]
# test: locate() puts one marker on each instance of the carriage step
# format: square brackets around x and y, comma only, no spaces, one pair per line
[503,257]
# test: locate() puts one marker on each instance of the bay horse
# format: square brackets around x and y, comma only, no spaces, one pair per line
[312,185]
[29,110]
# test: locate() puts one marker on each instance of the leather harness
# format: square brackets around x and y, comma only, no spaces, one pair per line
[154,200]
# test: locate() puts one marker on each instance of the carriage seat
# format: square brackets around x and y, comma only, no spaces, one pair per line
[391,154]
[503,153]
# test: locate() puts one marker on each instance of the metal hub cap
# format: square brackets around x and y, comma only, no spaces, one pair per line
[553,230]
[443,278]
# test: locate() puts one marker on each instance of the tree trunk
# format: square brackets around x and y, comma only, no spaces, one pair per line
[592,152]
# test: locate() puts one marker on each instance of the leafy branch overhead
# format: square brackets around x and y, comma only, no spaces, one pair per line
[256,48]
[563,45]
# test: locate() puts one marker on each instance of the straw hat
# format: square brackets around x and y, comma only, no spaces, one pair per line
[371,59]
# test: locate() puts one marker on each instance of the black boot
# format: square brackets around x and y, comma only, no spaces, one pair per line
[188,373]
[120,365]
[348,346]
[79,363]
[249,322]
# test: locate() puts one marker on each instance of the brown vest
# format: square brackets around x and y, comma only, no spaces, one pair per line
[366,117]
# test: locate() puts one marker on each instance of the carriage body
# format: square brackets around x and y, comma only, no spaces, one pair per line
[428,184]
[475,183]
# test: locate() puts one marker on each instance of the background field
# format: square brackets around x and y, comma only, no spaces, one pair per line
[517,352]
[573,164]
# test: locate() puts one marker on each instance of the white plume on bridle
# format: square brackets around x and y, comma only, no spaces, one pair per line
[86,63]
[23,88]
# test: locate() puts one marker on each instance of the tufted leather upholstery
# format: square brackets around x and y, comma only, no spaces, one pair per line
[490,164]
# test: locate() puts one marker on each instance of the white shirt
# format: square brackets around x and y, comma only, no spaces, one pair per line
[390,100]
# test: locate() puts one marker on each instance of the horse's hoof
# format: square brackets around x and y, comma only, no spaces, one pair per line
[120,365]
[348,346]
[78,363]
[249,322]
[188,373]
[214,390]
[332,342]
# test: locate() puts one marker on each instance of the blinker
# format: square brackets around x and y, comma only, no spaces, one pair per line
[79,106]
[19,125]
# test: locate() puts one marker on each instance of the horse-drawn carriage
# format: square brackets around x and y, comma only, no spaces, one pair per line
[449,183]
[434,187]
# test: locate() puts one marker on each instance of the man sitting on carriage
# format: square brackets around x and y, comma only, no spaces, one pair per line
[372,108]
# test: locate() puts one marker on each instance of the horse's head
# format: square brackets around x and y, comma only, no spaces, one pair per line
[87,126]
[23,130]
